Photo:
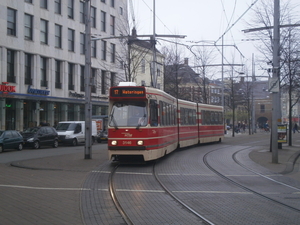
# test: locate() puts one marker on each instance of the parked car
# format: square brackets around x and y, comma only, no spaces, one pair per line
[36,137]
[10,139]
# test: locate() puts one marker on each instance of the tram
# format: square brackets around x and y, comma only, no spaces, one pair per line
[147,122]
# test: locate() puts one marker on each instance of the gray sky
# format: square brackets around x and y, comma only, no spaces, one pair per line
[199,20]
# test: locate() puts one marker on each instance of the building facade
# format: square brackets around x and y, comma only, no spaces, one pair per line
[42,59]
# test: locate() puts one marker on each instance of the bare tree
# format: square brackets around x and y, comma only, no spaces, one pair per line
[204,57]
[289,66]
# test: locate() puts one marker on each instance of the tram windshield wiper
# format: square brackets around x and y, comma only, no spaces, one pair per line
[141,120]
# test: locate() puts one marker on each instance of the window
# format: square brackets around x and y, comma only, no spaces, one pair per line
[44,4]
[103,21]
[11,22]
[82,43]
[94,49]
[28,69]
[11,66]
[43,64]
[28,27]
[112,25]
[93,17]
[71,40]
[82,82]
[112,3]
[103,1]
[71,9]
[94,80]
[121,11]
[44,31]
[112,53]
[28,1]
[71,76]
[58,74]
[58,36]
[82,9]
[153,113]
[143,65]
[57,6]
[103,50]
[103,82]
[262,108]
[112,79]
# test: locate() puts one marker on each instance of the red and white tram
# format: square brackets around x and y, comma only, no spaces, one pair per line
[147,122]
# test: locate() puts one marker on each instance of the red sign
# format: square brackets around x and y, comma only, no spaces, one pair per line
[7,88]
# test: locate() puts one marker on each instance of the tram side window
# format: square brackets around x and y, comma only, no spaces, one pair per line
[212,117]
[192,116]
[153,113]
[220,118]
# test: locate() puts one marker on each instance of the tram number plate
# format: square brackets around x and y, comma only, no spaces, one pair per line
[126,142]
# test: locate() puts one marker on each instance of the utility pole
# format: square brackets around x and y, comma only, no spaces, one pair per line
[87,84]
[275,80]
[276,110]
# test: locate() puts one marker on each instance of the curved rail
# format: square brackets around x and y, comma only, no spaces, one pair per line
[115,199]
[205,221]
[244,187]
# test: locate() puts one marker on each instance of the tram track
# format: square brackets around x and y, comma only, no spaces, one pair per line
[205,220]
[114,196]
[225,177]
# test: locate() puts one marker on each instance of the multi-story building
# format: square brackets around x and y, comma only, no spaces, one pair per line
[140,65]
[183,82]
[42,59]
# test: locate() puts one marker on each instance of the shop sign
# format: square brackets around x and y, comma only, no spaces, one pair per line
[5,88]
[282,133]
[37,91]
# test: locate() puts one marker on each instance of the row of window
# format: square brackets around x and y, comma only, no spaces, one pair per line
[167,114]
[211,117]
[44,32]
[44,62]
[188,116]
[58,6]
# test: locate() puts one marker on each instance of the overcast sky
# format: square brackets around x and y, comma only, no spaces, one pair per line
[198,19]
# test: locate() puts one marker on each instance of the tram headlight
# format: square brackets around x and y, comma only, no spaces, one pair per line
[114,142]
[140,142]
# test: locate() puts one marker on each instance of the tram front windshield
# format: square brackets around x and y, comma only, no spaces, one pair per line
[128,114]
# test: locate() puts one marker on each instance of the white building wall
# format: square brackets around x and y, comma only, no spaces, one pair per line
[38,50]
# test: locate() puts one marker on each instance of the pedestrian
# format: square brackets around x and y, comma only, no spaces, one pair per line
[295,128]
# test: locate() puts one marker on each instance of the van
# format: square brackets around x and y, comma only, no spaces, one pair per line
[73,132]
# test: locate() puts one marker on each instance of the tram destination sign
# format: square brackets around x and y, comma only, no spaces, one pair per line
[127,92]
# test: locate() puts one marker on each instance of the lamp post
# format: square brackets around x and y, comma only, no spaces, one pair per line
[87,84]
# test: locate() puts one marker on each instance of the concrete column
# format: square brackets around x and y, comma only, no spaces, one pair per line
[50,118]
[2,114]
[64,112]
[36,112]
[77,113]
[19,115]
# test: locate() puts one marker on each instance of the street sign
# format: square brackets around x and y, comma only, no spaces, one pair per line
[274,84]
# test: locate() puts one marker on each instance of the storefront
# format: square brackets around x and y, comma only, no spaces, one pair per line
[20,111]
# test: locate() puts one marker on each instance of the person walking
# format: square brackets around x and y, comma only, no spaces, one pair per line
[295,128]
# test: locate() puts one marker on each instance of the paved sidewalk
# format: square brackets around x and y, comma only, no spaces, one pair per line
[288,157]
[49,190]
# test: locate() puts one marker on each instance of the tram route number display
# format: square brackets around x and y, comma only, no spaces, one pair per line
[127,92]
[282,133]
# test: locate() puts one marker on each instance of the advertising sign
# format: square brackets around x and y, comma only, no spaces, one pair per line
[282,133]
